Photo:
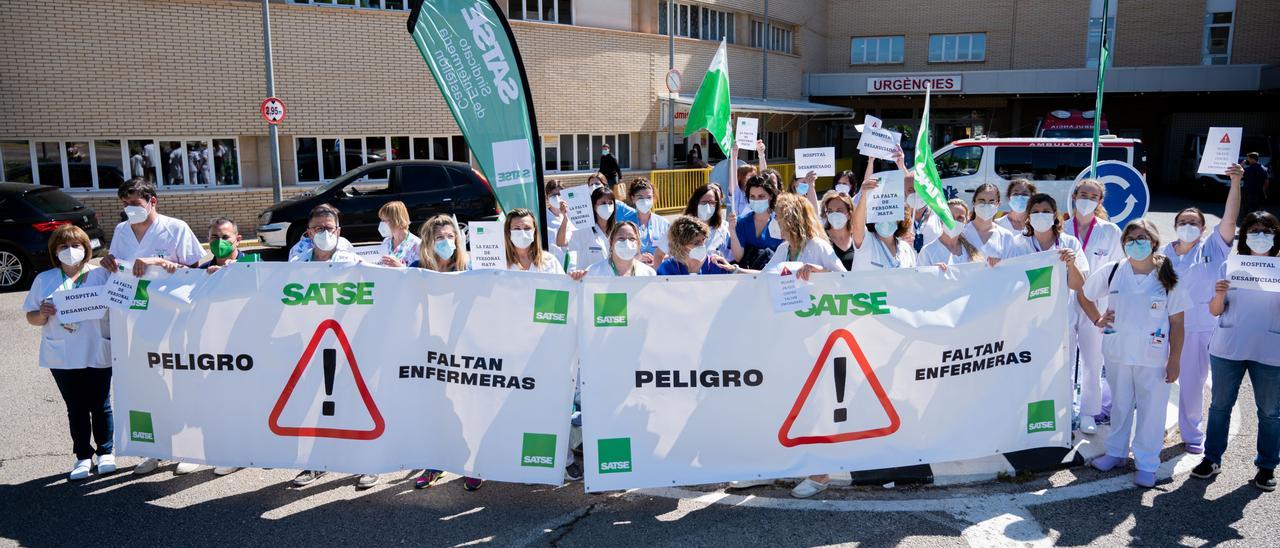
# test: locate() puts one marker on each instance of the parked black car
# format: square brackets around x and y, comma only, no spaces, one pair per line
[28,214]
[426,187]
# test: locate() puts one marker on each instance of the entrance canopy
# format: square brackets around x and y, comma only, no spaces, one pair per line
[795,107]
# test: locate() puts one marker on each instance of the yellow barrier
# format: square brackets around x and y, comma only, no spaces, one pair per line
[675,186]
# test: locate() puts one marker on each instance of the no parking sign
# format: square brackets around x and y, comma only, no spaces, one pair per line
[1127,195]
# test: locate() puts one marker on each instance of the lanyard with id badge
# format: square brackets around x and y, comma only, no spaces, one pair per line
[1158,347]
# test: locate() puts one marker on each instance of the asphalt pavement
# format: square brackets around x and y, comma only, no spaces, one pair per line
[1076,506]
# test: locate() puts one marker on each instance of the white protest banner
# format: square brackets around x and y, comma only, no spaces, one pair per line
[578,201]
[819,160]
[368,253]
[747,133]
[1254,272]
[345,367]
[887,201]
[876,141]
[882,371]
[788,293]
[1221,150]
[488,247]
[80,304]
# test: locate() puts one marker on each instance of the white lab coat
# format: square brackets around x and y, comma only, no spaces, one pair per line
[603,269]
[936,252]
[167,237]
[589,246]
[548,265]
[816,251]
[995,243]
[874,254]
[89,345]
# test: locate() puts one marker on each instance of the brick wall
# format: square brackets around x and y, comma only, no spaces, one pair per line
[1159,32]
[1256,24]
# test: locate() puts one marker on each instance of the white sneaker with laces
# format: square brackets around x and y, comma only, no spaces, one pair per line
[80,470]
[147,466]
[1088,425]
[185,468]
[224,470]
[808,488]
[743,484]
[106,463]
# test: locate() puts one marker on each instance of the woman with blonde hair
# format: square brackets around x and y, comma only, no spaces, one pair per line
[524,245]
[687,240]
[836,207]
[804,249]
[399,246]
[952,247]
[443,248]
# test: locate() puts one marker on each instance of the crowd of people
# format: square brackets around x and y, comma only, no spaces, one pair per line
[1145,311]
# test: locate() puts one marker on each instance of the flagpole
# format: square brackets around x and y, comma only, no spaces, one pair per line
[1097,103]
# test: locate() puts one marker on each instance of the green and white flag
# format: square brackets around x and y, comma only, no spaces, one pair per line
[928,185]
[710,110]
[1103,55]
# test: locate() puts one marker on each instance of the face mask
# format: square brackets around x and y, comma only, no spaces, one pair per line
[135,214]
[325,240]
[1085,207]
[1041,222]
[553,202]
[759,206]
[843,189]
[384,229]
[802,189]
[775,231]
[986,211]
[594,186]
[604,211]
[221,248]
[886,229]
[625,249]
[71,256]
[445,248]
[1138,250]
[604,151]
[1260,242]
[705,211]
[522,239]
[1188,233]
[955,231]
[698,253]
[1018,204]
[644,205]
[914,201]
[837,219]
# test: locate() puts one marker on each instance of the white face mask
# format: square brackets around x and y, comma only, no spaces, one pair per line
[384,229]
[775,231]
[1260,243]
[626,249]
[445,248]
[886,229]
[759,206]
[553,202]
[135,214]
[1018,204]
[71,256]
[604,211]
[837,220]
[644,205]
[955,231]
[522,239]
[843,189]
[325,240]
[986,212]
[1085,207]
[698,253]
[1188,233]
[802,189]
[914,201]
[705,211]
[1041,222]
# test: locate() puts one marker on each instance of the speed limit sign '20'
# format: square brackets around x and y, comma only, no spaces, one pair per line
[273,110]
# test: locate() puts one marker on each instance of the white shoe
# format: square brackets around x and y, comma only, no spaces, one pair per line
[185,468]
[80,470]
[146,466]
[224,470]
[367,480]
[743,484]
[808,488]
[106,464]
[1087,425]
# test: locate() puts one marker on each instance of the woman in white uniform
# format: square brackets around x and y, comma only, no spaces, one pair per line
[982,231]
[590,244]
[1247,341]
[889,244]
[952,247]
[1197,258]
[399,246]
[1019,192]
[1044,233]
[1143,322]
[624,241]
[78,354]
[805,248]
[653,227]
[705,205]
[1100,240]
[524,245]
[557,212]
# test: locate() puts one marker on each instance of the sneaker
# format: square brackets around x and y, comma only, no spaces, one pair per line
[147,466]
[1206,469]
[225,470]
[573,472]
[427,479]
[366,481]
[808,488]
[106,463]
[472,484]
[743,484]
[1265,480]
[1144,479]
[1088,425]
[306,477]
[185,468]
[81,470]
[1106,463]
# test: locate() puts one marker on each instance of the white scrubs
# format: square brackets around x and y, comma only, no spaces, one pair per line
[604,269]
[1101,245]
[167,237]
[996,241]
[874,254]
[548,265]
[88,343]
[1004,223]
[816,251]
[1136,356]
[590,246]
[936,252]
[553,227]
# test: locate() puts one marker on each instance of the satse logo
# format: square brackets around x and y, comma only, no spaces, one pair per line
[1041,280]
[611,309]
[615,455]
[140,428]
[538,450]
[345,293]
[1041,417]
[141,300]
[513,162]
[494,58]
[550,306]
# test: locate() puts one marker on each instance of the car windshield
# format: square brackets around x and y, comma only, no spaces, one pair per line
[52,201]
[341,180]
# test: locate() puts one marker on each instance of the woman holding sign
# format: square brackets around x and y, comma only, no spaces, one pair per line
[589,244]
[524,248]
[952,247]
[1141,343]
[78,354]
[399,247]
[1019,192]
[805,248]
[1246,341]
[1100,244]
[624,241]
[891,246]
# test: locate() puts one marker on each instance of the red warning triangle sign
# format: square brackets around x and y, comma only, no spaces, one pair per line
[1226,138]
[379,425]
[784,433]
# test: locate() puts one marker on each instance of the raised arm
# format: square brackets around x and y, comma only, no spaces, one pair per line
[858,221]
[761,152]
[1231,212]
[562,233]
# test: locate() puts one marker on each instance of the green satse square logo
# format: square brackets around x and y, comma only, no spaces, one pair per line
[140,427]
[551,306]
[611,309]
[1041,417]
[538,450]
[615,455]
[140,298]
[1041,280]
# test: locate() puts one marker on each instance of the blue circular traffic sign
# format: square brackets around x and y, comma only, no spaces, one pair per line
[1127,195]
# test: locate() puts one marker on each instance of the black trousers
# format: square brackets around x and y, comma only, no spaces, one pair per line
[87,393]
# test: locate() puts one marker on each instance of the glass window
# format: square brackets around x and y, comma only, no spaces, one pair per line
[1050,164]
[400,148]
[959,161]
[376,149]
[565,9]
[551,153]
[584,153]
[623,151]
[460,151]
[597,143]
[1217,33]
[144,157]
[308,158]
[566,153]
[439,148]
[330,158]
[110,163]
[515,9]
[226,162]
[421,148]
[353,151]
[79,168]
[199,163]
[16,158]
[49,163]
[1094,36]
[876,50]
[172,163]
[662,17]
[957,48]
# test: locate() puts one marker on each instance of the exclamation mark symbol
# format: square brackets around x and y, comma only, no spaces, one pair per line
[331,367]
[842,414]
